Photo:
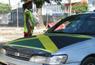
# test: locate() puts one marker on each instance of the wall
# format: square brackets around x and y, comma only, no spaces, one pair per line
[91,5]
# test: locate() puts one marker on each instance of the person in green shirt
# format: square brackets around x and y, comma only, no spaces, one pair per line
[29,19]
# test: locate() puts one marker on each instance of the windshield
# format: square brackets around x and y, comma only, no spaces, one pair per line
[79,24]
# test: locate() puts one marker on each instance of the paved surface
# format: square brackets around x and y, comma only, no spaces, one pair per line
[11,33]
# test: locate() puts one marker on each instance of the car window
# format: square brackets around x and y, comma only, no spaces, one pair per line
[67,22]
[75,26]
[81,24]
[89,25]
[61,23]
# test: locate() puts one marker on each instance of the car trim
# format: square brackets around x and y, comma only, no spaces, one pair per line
[47,43]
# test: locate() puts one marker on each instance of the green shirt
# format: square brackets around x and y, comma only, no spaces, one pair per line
[30,17]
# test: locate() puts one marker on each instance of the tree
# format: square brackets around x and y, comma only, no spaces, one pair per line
[80,7]
[4,8]
[39,4]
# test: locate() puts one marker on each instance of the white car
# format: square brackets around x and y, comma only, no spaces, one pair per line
[74,45]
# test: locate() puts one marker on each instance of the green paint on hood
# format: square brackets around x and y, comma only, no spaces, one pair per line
[41,42]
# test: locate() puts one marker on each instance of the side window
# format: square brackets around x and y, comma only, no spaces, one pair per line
[62,26]
[68,21]
[90,24]
[77,24]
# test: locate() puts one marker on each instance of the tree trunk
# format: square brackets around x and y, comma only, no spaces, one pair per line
[70,6]
[40,16]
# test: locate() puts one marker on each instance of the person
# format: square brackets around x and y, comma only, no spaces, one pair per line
[29,20]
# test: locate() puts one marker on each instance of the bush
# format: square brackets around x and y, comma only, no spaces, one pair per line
[80,7]
[4,8]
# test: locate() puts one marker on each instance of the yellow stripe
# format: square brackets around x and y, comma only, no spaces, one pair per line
[47,43]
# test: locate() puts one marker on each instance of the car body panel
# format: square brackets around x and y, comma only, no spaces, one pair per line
[77,52]
[12,61]
[69,44]
[42,42]
[50,41]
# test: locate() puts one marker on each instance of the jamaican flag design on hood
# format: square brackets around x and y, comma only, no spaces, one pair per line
[40,42]
[49,42]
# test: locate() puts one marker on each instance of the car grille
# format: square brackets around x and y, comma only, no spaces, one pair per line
[23,53]
[17,54]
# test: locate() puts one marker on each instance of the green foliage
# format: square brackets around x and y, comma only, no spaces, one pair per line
[80,7]
[4,8]
[39,3]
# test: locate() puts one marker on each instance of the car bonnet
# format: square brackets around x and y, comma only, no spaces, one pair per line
[49,42]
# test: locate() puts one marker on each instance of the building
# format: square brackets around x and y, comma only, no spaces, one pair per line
[91,5]
[71,3]
[84,1]
[4,18]
[54,12]
[17,17]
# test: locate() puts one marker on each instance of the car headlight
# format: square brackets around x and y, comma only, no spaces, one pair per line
[3,51]
[53,60]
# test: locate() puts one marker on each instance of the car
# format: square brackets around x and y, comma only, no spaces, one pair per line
[72,45]
[53,23]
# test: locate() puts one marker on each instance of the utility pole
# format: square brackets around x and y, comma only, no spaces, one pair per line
[17,15]
[10,9]
[70,7]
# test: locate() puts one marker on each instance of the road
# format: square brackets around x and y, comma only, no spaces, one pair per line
[12,33]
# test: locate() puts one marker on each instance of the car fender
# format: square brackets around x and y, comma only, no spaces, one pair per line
[77,52]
